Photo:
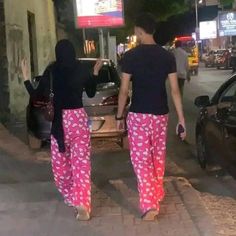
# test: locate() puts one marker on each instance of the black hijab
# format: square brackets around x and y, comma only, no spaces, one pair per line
[63,73]
[65,54]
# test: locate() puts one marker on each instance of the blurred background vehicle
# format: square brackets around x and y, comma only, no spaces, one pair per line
[223,59]
[210,58]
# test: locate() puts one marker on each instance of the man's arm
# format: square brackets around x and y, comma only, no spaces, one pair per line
[123,94]
[175,93]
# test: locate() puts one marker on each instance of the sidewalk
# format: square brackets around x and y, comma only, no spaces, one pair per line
[15,147]
[35,209]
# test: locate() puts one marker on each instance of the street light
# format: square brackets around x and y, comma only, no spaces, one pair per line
[197,2]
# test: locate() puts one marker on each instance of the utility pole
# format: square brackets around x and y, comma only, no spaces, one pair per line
[101,42]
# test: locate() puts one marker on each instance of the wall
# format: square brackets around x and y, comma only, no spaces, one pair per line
[4,90]
[17,37]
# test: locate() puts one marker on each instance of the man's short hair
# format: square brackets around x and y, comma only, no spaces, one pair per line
[147,22]
[178,44]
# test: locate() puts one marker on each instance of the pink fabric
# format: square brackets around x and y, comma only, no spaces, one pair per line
[147,139]
[72,169]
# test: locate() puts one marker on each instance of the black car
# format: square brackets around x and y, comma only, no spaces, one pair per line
[101,109]
[216,128]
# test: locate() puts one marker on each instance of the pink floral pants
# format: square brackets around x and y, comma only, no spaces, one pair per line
[72,169]
[147,139]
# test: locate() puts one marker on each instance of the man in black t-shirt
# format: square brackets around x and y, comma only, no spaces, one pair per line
[149,65]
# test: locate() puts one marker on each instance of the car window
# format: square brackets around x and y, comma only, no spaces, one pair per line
[104,76]
[229,95]
[107,73]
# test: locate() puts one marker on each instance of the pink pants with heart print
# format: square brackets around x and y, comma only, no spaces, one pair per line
[147,139]
[72,169]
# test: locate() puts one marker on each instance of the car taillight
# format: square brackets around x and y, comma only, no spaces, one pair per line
[113,100]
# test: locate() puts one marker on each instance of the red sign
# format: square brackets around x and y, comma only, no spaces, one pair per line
[99,13]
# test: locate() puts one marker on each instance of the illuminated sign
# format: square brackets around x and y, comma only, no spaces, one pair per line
[227,23]
[208,30]
[99,13]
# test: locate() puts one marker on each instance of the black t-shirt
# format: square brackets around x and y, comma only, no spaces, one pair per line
[149,66]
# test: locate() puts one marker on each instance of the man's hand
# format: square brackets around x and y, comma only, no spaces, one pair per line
[120,125]
[25,69]
[183,134]
[97,67]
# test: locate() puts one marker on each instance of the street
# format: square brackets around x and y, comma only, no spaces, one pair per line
[32,206]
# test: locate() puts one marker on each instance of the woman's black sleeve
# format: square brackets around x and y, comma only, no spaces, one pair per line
[91,86]
[39,91]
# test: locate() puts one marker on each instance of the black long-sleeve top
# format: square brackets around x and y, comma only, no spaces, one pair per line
[68,87]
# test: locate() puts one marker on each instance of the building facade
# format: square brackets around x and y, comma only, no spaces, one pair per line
[27,30]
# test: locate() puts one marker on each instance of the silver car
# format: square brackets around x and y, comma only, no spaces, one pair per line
[101,109]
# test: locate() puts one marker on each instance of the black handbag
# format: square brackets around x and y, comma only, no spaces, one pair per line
[48,109]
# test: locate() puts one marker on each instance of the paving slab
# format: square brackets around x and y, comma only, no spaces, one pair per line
[36,209]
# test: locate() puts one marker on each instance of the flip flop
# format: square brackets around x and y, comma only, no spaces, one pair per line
[150,215]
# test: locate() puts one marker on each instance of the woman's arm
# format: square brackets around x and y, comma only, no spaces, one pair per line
[43,83]
[91,84]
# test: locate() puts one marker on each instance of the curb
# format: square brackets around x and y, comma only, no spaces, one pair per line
[195,207]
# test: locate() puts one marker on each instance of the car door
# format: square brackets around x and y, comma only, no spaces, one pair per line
[227,112]
[213,133]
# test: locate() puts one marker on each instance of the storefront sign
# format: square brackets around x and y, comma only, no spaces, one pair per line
[208,30]
[227,23]
[99,13]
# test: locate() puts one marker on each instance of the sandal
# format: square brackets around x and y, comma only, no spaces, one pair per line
[150,215]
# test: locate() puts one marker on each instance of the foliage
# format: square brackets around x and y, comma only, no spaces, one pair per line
[161,9]
[226,2]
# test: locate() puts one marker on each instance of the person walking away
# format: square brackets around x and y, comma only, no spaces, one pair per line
[233,58]
[149,65]
[181,58]
[70,136]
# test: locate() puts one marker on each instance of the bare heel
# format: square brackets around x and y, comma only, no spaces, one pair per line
[82,214]
[150,215]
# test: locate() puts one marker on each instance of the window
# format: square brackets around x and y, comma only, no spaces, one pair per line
[229,95]
[32,44]
[107,74]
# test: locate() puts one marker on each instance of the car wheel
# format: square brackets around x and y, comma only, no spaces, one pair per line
[34,142]
[201,151]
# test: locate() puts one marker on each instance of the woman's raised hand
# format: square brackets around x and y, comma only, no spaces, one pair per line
[97,67]
[25,69]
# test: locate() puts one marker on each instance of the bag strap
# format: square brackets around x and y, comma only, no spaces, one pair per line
[51,95]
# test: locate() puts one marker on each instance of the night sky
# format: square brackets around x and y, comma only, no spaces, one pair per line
[183,24]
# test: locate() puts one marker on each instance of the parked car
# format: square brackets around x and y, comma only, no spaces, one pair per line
[210,58]
[223,59]
[101,109]
[216,127]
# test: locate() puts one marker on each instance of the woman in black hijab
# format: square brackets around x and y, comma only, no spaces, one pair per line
[70,136]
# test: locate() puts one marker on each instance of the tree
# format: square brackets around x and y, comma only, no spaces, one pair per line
[226,2]
[161,9]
